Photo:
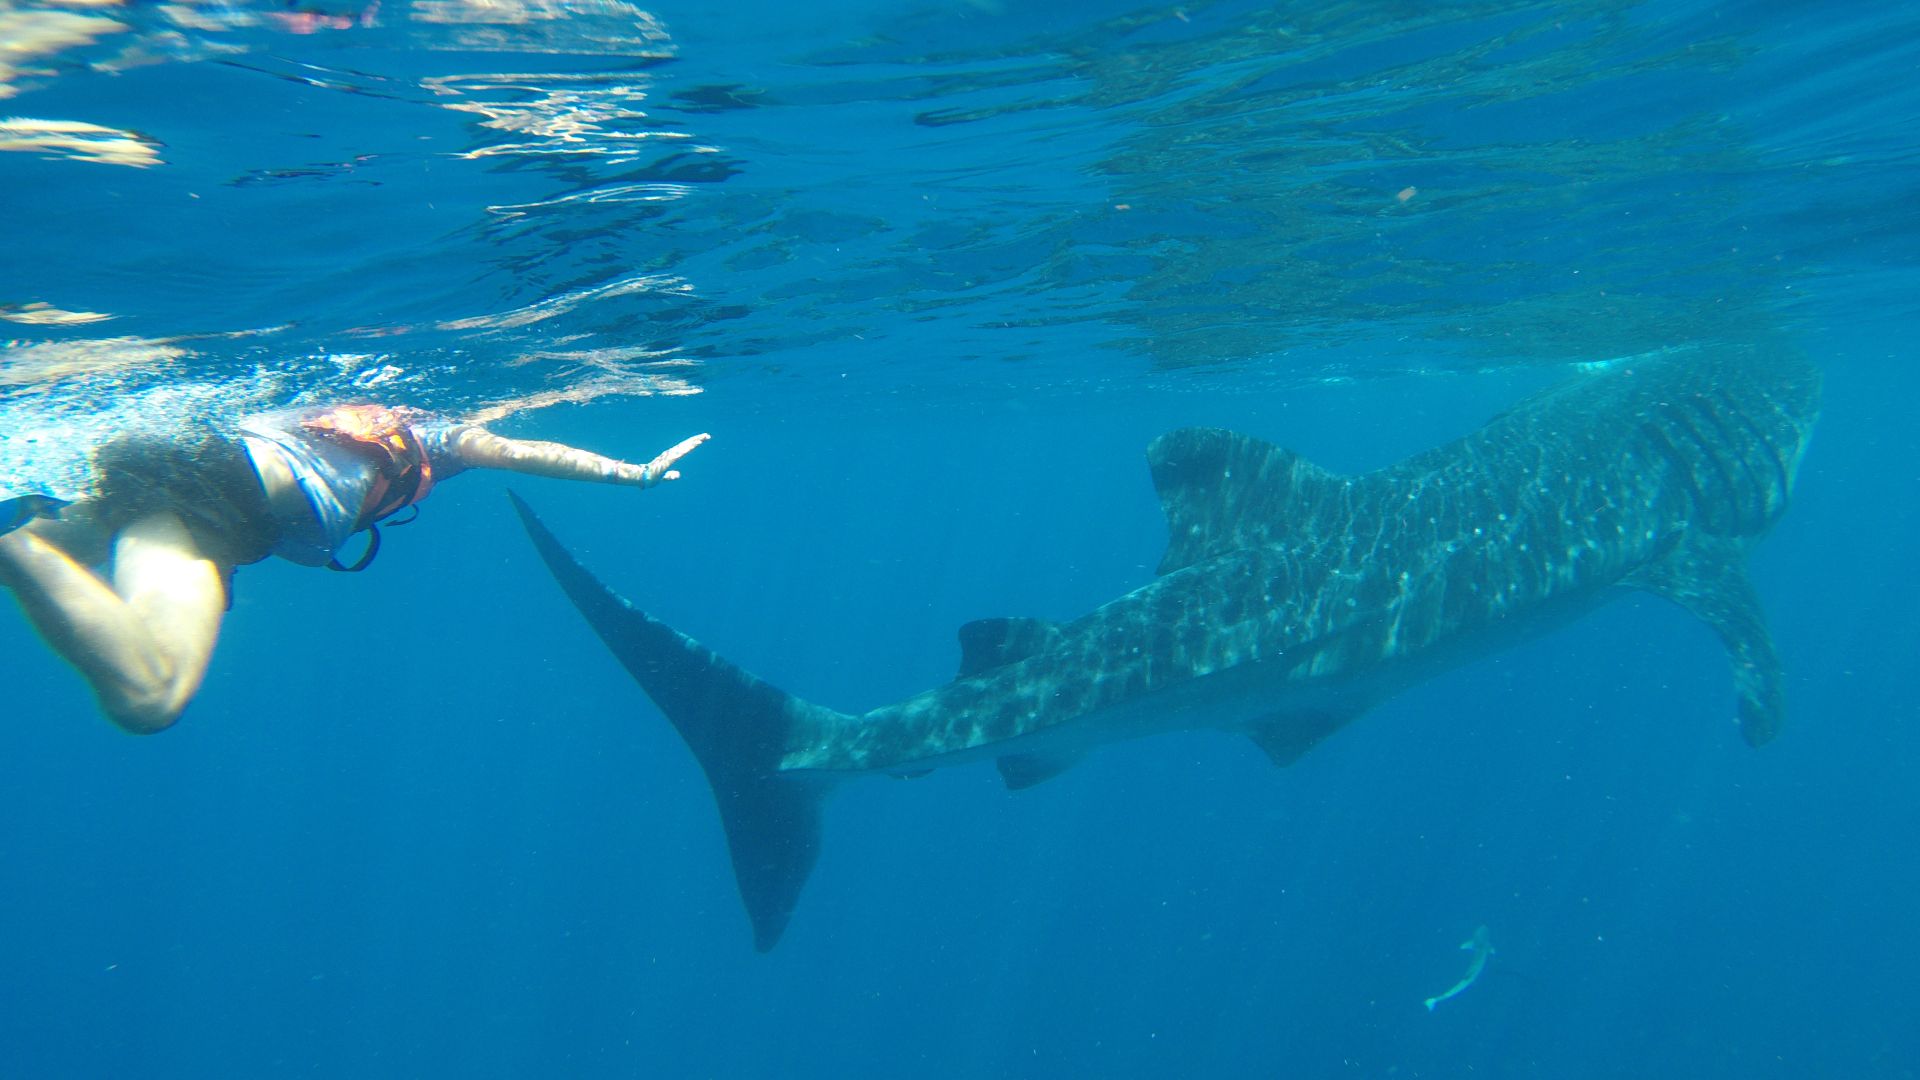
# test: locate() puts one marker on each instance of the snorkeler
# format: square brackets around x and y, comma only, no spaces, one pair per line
[172,518]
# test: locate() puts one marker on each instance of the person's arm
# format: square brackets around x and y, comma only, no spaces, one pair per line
[143,642]
[478,448]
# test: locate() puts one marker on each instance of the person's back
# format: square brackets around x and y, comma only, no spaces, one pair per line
[174,516]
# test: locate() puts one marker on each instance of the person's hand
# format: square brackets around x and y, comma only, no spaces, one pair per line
[661,468]
[476,447]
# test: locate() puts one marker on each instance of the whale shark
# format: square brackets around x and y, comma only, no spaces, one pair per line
[1291,599]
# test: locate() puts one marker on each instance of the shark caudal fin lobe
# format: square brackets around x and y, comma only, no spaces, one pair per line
[735,724]
[986,644]
[1223,491]
[1708,576]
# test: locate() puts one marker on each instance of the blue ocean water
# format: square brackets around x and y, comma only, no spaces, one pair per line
[933,274]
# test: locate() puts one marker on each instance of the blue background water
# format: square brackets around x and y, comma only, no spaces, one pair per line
[940,272]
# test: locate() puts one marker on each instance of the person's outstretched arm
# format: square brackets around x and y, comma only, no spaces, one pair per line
[479,448]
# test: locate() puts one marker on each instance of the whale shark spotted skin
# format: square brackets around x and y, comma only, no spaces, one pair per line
[1291,599]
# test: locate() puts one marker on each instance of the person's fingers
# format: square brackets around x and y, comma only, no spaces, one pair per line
[662,466]
[682,449]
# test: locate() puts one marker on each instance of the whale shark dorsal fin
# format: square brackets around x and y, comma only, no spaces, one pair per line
[986,644]
[1223,491]
[1707,575]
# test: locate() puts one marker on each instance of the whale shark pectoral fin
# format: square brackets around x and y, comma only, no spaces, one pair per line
[1022,771]
[1286,737]
[1223,491]
[1708,577]
[986,644]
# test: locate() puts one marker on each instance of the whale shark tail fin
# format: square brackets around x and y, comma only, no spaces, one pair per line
[735,724]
